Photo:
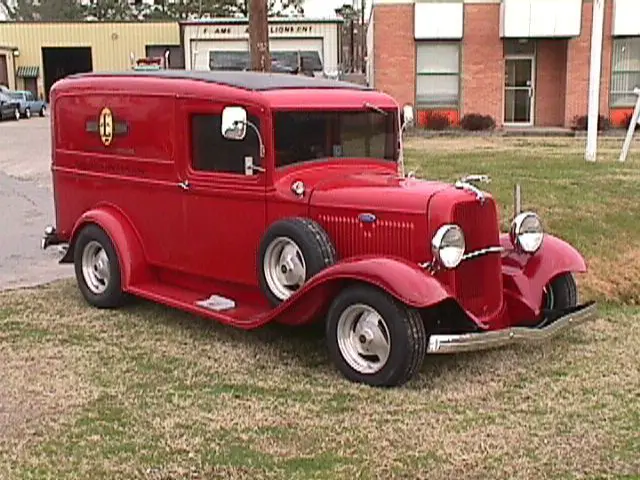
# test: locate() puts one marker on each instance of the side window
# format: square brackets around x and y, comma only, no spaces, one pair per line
[211,152]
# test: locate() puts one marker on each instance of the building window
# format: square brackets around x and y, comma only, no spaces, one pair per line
[211,152]
[625,72]
[438,75]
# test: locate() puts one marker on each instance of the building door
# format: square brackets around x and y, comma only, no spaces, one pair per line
[519,95]
[31,85]
[4,72]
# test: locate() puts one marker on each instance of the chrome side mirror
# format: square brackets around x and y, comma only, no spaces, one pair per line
[234,123]
[407,116]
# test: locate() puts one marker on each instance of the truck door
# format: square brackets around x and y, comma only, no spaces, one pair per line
[224,208]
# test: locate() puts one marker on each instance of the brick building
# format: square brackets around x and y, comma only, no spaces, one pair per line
[524,62]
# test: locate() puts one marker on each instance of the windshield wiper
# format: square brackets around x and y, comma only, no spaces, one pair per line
[374,108]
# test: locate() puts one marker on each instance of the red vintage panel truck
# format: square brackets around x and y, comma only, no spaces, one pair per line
[250,198]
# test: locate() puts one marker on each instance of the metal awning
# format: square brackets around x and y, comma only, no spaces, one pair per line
[27,72]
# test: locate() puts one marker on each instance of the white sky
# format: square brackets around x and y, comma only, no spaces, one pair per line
[322,8]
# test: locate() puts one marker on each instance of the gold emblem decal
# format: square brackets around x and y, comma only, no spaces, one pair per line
[105,126]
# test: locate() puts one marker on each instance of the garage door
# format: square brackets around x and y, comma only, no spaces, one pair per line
[220,54]
[310,49]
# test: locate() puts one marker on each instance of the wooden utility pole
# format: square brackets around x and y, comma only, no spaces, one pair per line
[259,36]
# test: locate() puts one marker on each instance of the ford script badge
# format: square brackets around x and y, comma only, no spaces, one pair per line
[367,217]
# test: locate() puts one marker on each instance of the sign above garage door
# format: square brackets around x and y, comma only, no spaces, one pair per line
[216,43]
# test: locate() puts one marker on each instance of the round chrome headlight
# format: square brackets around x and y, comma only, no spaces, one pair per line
[448,246]
[526,232]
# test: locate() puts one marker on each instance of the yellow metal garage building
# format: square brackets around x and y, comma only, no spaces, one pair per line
[36,54]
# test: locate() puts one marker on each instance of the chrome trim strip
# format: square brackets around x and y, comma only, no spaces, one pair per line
[484,251]
[432,266]
[471,342]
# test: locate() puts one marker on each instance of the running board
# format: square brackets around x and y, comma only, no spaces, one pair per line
[215,307]
[217,303]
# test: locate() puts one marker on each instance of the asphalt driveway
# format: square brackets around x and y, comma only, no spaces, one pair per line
[26,203]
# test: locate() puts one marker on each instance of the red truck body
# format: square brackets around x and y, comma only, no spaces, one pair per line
[124,150]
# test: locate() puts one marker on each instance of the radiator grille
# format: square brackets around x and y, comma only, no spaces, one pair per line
[478,282]
[384,237]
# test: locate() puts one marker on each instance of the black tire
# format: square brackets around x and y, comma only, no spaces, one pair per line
[16,114]
[560,293]
[408,338]
[311,240]
[42,111]
[112,296]
[27,113]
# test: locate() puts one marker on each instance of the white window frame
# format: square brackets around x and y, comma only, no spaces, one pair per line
[457,74]
[620,71]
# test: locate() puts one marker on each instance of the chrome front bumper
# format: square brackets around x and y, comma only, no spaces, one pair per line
[470,342]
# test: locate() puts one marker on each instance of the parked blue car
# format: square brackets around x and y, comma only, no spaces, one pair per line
[28,105]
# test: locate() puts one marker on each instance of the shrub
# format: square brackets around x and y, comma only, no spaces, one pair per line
[437,121]
[475,122]
[581,123]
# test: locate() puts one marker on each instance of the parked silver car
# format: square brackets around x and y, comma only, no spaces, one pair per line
[9,108]
[28,104]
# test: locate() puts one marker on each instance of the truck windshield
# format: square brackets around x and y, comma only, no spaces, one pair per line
[303,136]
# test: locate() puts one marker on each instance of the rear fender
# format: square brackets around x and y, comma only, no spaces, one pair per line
[525,276]
[403,280]
[133,266]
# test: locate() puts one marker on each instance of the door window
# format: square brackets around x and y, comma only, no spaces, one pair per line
[518,91]
[211,152]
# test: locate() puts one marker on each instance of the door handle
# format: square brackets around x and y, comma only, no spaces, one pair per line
[184,185]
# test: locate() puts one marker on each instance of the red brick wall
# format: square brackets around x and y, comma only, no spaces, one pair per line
[395,51]
[578,59]
[551,78]
[482,61]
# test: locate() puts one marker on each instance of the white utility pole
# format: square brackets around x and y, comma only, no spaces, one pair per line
[635,121]
[594,79]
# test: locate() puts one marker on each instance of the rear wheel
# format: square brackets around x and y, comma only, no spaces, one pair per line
[43,110]
[27,113]
[373,338]
[97,268]
[16,114]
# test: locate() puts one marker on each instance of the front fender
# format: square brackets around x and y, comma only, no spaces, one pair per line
[525,276]
[133,266]
[407,282]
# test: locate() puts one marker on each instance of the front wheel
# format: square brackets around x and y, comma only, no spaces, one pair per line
[43,111]
[27,113]
[16,114]
[374,339]
[560,293]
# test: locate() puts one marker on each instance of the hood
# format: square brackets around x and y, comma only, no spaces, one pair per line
[379,191]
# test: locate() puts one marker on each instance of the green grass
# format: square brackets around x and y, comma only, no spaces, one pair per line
[149,392]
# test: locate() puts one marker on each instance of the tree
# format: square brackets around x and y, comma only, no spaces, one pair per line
[110,10]
[43,10]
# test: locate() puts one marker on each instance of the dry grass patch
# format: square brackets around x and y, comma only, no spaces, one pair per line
[173,396]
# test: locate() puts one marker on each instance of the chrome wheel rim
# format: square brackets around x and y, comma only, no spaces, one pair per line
[363,339]
[95,267]
[17,114]
[284,267]
[27,113]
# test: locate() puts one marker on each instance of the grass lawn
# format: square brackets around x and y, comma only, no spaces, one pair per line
[149,392]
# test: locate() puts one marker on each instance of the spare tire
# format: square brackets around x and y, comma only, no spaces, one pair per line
[291,252]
